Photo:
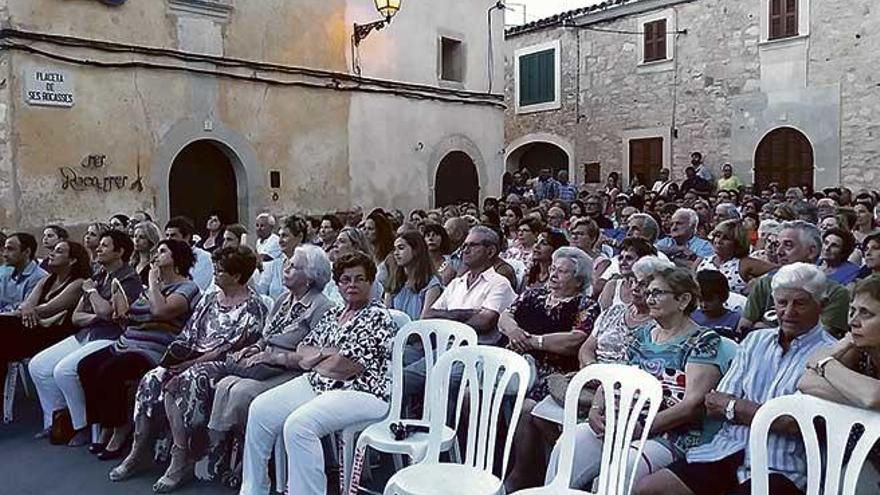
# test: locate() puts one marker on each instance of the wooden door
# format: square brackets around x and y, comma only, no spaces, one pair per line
[784,156]
[645,160]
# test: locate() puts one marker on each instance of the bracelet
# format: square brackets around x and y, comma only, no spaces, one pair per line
[820,366]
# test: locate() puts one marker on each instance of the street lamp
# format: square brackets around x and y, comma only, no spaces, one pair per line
[388,9]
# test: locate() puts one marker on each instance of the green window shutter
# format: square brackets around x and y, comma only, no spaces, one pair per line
[537,78]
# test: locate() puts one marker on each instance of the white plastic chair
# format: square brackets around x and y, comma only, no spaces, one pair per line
[519,268]
[437,337]
[487,374]
[839,420]
[399,317]
[13,372]
[637,391]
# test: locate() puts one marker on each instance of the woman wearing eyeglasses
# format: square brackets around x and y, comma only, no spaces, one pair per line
[683,356]
[526,237]
[346,360]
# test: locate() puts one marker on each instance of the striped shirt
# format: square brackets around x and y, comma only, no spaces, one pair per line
[761,371]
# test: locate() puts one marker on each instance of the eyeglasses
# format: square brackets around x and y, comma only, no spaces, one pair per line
[656,293]
[469,245]
[344,280]
[525,231]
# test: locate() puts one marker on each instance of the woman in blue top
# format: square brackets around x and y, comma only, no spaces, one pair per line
[153,322]
[837,246]
[683,356]
[412,285]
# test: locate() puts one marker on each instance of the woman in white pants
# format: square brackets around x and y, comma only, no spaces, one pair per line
[54,370]
[55,378]
[347,355]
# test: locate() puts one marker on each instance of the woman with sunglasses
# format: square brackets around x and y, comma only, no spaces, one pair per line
[683,356]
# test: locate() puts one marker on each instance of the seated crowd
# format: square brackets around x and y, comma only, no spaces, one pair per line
[208,351]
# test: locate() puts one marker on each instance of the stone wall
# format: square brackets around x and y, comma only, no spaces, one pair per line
[715,96]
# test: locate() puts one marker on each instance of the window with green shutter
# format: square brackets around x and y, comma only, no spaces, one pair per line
[537,78]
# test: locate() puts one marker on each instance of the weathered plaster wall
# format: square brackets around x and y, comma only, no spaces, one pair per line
[407,50]
[396,146]
[723,92]
[294,32]
[323,143]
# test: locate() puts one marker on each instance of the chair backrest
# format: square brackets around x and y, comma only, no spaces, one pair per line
[520,269]
[627,391]
[727,352]
[839,420]
[399,317]
[437,337]
[487,374]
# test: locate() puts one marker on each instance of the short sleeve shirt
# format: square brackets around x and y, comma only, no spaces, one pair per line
[490,291]
[365,339]
[667,362]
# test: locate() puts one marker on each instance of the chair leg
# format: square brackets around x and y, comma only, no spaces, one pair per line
[280,465]
[25,379]
[347,456]
[9,392]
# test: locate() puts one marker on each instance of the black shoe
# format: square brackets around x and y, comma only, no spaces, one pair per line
[109,455]
[97,448]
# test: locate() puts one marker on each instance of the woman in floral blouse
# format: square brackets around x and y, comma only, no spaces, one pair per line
[346,358]
[223,321]
[549,324]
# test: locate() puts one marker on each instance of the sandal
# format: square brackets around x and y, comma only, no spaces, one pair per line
[179,472]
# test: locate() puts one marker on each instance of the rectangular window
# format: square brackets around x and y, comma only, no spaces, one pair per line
[593,173]
[451,60]
[783,19]
[655,40]
[537,78]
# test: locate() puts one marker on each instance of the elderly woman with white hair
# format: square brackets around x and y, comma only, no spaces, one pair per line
[768,233]
[548,323]
[211,398]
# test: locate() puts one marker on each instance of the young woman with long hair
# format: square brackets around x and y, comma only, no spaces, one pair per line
[412,285]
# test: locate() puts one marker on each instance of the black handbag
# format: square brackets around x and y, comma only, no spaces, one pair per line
[178,353]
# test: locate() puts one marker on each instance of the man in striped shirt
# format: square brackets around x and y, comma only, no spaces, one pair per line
[768,364]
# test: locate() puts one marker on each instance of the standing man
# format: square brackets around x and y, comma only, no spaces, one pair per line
[568,192]
[21,273]
[267,240]
[546,186]
[701,167]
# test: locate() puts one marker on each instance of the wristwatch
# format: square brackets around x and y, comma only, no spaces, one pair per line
[730,410]
[540,342]
[820,366]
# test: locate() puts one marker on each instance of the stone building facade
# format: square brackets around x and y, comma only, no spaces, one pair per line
[183,106]
[800,108]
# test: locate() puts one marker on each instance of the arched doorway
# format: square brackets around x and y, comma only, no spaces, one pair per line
[784,156]
[537,155]
[456,180]
[203,180]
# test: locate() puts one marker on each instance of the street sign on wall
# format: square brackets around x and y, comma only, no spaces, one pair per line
[48,86]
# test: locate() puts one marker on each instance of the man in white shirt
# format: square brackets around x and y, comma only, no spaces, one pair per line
[267,240]
[181,228]
[477,298]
